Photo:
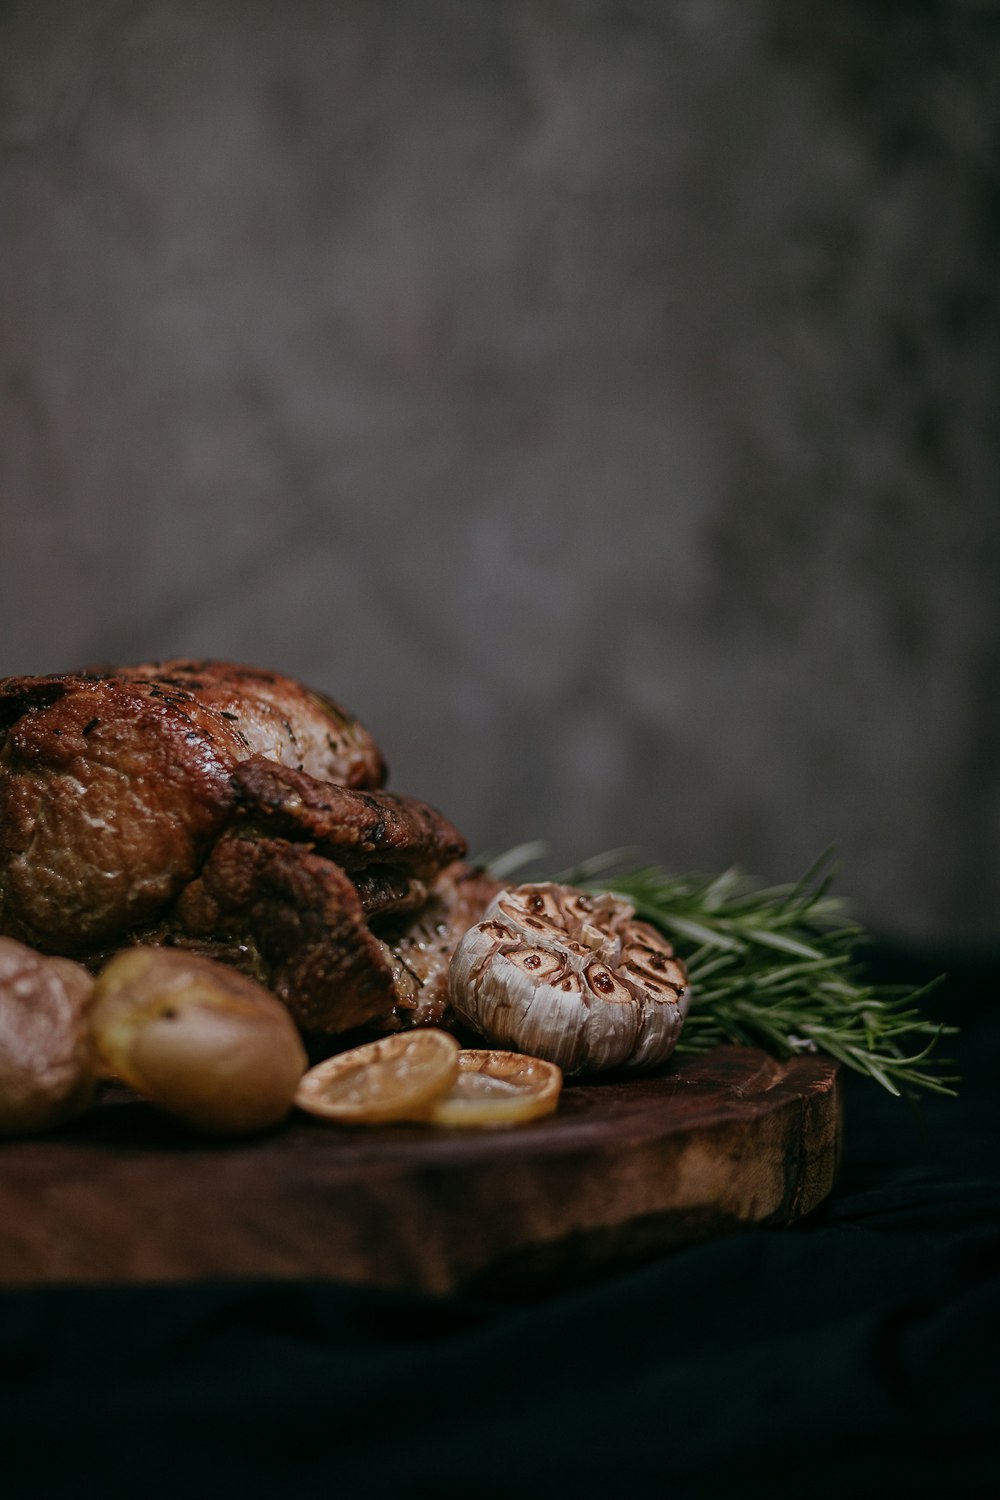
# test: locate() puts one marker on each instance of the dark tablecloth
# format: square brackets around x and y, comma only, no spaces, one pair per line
[856,1352]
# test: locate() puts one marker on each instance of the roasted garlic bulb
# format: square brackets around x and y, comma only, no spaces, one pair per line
[570,977]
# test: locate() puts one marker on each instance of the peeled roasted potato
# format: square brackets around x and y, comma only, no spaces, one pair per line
[46,1065]
[197,1038]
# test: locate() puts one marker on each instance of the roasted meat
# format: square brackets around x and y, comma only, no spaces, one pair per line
[419,949]
[292,919]
[357,829]
[233,812]
[114,785]
[294,882]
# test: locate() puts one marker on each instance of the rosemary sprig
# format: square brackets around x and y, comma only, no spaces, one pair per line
[776,967]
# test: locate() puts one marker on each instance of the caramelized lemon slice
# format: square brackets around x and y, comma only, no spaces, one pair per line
[498,1088]
[395,1078]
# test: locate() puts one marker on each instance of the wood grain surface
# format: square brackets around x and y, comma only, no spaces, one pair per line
[623,1172]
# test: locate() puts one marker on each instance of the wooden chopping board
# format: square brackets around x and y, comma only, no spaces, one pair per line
[623,1171]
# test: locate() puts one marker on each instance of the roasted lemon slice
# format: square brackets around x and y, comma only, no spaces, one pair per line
[395,1078]
[497,1088]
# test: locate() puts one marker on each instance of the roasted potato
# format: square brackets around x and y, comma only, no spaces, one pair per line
[197,1038]
[46,1061]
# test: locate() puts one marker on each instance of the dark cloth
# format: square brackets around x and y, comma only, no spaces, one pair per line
[854,1353]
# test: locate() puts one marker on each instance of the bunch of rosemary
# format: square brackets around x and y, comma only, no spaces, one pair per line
[776,967]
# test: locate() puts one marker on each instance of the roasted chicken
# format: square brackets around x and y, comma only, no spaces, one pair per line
[213,806]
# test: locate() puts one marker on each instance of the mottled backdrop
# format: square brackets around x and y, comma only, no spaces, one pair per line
[599,396]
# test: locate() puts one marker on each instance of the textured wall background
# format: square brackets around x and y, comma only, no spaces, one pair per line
[599,396]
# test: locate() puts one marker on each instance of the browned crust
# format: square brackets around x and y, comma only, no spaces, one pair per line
[303,916]
[273,715]
[354,828]
[420,947]
[108,799]
[114,783]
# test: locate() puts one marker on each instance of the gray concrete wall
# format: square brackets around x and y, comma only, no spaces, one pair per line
[600,398]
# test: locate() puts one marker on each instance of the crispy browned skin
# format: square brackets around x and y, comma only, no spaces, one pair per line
[357,829]
[303,870]
[234,812]
[419,949]
[272,716]
[114,785]
[385,890]
[295,919]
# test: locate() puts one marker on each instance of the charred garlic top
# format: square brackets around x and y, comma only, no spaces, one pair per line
[571,977]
